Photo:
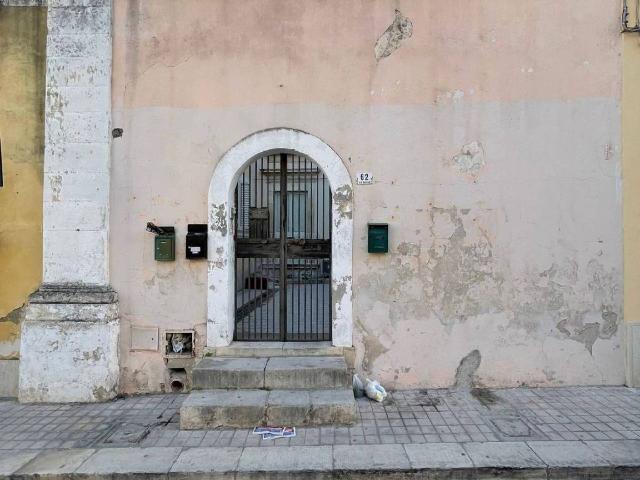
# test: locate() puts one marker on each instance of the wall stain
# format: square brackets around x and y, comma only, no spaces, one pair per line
[400,29]
[373,348]
[101,394]
[409,249]
[466,371]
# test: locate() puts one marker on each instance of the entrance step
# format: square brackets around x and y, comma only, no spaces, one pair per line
[279,349]
[250,408]
[271,373]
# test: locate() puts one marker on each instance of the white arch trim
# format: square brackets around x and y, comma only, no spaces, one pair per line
[221,281]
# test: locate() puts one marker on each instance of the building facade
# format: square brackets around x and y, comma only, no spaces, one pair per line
[300,134]
[23,35]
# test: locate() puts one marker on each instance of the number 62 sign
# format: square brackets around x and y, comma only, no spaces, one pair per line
[364,178]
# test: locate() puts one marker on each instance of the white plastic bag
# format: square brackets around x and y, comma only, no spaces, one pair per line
[375,391]
[358,386]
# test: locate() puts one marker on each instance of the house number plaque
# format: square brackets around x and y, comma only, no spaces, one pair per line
[364,178]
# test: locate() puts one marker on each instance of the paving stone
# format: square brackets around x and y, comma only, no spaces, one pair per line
[617,452]
[370,457]
[229,408]
[437,456]
[56,462]
[562,454]
[207,460]
[152,460]
[306,373]
[516,455]
[286,459]
[219,372]
[13,461]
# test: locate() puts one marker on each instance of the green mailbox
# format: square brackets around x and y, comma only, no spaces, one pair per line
[165,245]
[378,237]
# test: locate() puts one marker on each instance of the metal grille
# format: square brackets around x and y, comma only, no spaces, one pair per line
[283,251]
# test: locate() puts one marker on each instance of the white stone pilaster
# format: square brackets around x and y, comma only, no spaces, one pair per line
[77,124]
[69,337]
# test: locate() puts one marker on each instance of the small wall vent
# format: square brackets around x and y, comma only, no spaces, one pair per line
[179,343]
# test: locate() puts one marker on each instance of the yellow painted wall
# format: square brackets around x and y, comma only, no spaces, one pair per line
[23,35]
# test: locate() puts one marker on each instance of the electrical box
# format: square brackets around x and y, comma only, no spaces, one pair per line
[165,245]
[378,237]
[197,240]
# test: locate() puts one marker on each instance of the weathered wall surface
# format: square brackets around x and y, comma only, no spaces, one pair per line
[23,33]
[631,189]
[495,148]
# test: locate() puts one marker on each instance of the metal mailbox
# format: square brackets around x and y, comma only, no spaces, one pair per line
[196,240]
[378,237]
[165,245]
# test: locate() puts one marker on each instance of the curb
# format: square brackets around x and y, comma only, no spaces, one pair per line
[615,459]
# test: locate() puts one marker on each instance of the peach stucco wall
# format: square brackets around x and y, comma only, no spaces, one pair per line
[493,133]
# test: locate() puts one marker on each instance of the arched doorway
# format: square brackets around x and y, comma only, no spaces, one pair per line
[223,213]
[282,234]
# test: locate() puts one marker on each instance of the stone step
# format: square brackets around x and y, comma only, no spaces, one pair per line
[271,373]
[249,408]
[278,349]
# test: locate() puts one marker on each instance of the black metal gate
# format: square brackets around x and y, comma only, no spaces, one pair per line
[283,251]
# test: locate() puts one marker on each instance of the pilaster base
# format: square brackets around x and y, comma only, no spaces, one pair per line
[69,345]
[633,353]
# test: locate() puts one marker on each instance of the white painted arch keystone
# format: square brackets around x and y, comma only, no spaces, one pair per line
[221,281]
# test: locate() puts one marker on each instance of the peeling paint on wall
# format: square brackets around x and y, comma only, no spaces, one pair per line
[339,291]
[393,36]
[343,198]
[55,182]
[409,249]
[218,219]
[470,161]
[456,277]
[10,334]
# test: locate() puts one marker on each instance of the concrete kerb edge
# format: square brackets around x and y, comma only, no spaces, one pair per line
[612,471]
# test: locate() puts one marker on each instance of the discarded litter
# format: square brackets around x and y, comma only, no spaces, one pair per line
[358,387]
[375,391]
[269,433]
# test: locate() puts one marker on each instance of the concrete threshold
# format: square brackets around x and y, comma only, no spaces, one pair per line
[614,459]
[277,349]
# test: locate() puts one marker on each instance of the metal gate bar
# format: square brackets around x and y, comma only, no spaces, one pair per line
[283,251]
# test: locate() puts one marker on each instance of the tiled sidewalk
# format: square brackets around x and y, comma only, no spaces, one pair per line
[409,417]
